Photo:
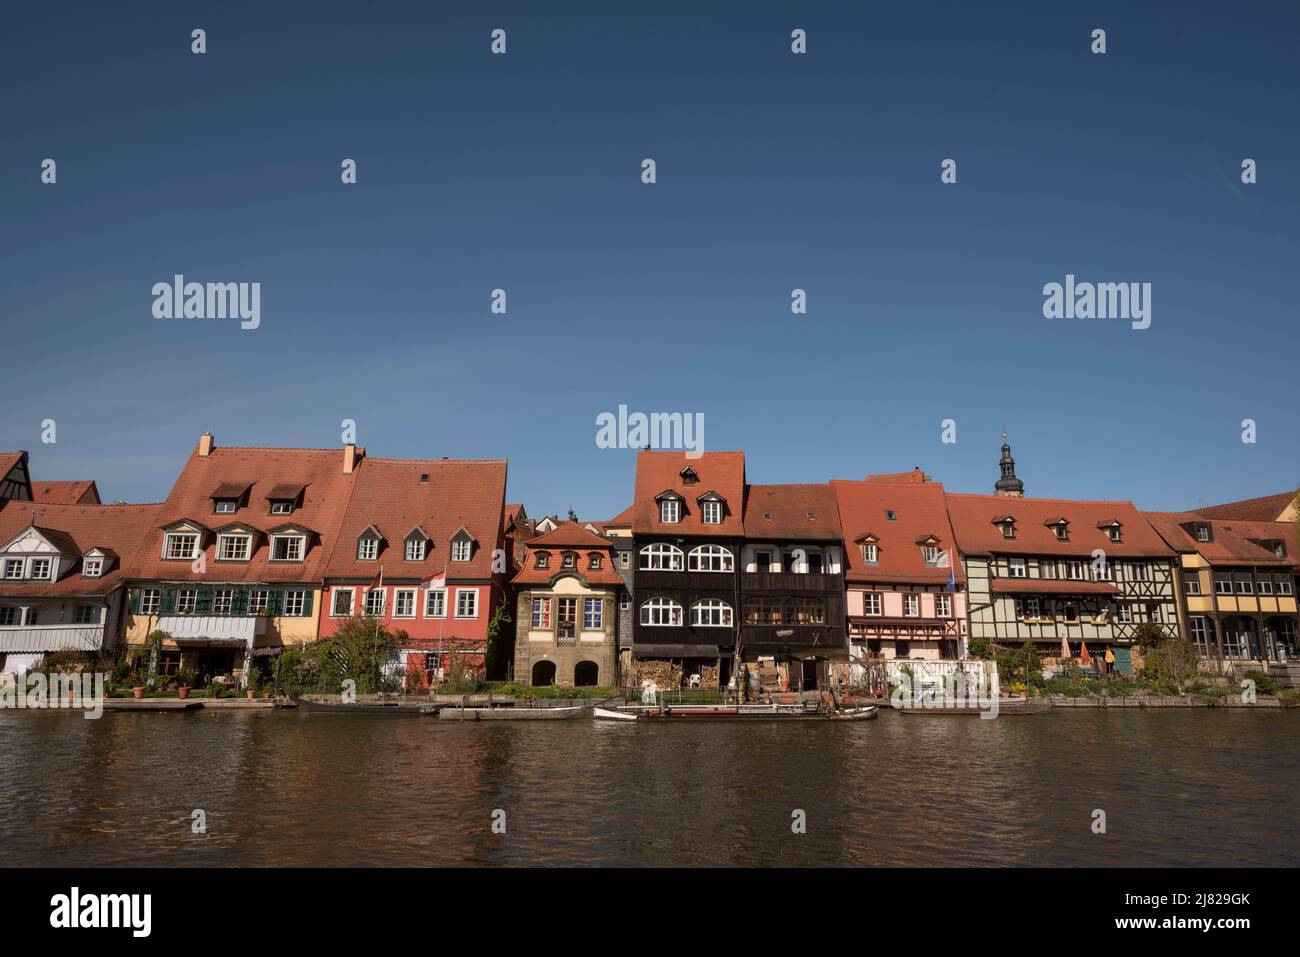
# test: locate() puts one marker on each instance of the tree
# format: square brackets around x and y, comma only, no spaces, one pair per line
[358,650]
[500,616]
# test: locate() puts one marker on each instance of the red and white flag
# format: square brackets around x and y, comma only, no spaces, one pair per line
[435,581]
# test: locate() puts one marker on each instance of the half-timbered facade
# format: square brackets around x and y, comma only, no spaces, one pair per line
[906,589]
[792,586]
[1237,586]
[62,577]
[687,528]
[566,610]
[1061,573]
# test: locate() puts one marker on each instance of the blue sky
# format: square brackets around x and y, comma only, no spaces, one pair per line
[775,171]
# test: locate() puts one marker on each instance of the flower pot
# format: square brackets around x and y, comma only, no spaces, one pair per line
[138,691]
[250,694]
[183,693]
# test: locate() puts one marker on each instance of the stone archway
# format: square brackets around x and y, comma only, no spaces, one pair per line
[543,674]
[586,674]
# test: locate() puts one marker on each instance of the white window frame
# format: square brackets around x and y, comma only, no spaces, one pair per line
[1192,584]
[460,550]
[86,615]
[670,511]
[225,506]
[187,600]
[711,512]
[440,605]
[873,604]
[294,604]
[464,595]
[225,539]
[930,554]
[541,619]
[300,541]
[150,601]
[92,567]
[39,569]
[334,602]
[1016,568]
[400,595]
[662,557]
[593,614]
[870,553]
[10,616]
[1284,585]
[223,601]
[15,569]
[172,540]
[911,605]
[702,558]
[367,549]
[416,549]
[1074,570]
[942,605]
[711,613]
[282,507]
[668,611]
[382,592]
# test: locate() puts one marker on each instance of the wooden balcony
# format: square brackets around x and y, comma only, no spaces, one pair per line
[720,582]
[788,583]
[787,639]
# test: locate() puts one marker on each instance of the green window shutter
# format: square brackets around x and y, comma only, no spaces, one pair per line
[275,603]
[240,605]
[169,601]
[135,601]
[203,602]
[306,601]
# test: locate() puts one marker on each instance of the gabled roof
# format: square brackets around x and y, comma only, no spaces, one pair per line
[919,513]
[324,502]
[285,491]
[1255,532]
[975,523]
[1227,548]
[1266,508]
[62,542]
[569,536]
[657,472]
[782,512]
[72,492]
[459,495]
[232,489]
[114,530]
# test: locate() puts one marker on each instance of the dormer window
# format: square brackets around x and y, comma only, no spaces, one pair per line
[930,553]
[670,511]
[1060,528]
[234,548]
[570,560]
[689,476]
[870,553]
[890,516]
[460,550]
[711,513]
[282,507]
[415,549]
[1008,528]
[180,545]
[543,560]
[40,570]
[367,549]
[13,568]
[593,561]
[225,506]
[1279,549]
[288,548]
[92,567]
[1113,533]
[1202,532]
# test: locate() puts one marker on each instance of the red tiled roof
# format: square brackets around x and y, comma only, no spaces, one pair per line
[918,511]
[74,492]
[1227,548]
[1051,586]
[781,512]
[458,494]
[1266,508]
[720,472]
[575,537]
[75,530]
[1269,531]
[973,523]
[8,460]
[324,503]
[568,535]
[623,518]
[898,478]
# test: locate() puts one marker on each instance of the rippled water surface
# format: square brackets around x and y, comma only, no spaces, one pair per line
[291,788]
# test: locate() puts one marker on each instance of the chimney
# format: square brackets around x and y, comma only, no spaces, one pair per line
[349,458]
[205,445]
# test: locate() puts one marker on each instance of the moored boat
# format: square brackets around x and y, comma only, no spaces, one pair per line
[737,713]
[1005,706]
[377,707]
[505,714]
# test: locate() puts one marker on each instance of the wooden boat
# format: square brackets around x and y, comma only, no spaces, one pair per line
[453,713]
[378,707]
[152,704]
[1006,706]
[738,713]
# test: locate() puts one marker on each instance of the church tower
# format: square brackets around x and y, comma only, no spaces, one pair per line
[1008,484]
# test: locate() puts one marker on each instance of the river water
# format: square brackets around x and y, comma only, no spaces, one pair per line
[291,788]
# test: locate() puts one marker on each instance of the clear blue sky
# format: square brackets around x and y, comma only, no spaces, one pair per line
[775,171]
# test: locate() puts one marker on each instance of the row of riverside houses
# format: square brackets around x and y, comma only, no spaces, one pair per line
[259,549]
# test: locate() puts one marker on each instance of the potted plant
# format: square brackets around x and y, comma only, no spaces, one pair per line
[184,681]
[250,683]
[138,691]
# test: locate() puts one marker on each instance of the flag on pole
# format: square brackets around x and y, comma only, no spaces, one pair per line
[944,560]
[435,581]
[379,580]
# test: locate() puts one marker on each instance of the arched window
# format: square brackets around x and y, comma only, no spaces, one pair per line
[805,611]
[762,611]
[543,674]
[586,674]
[661,611]
[711,613]
[711,558]
[661,558]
